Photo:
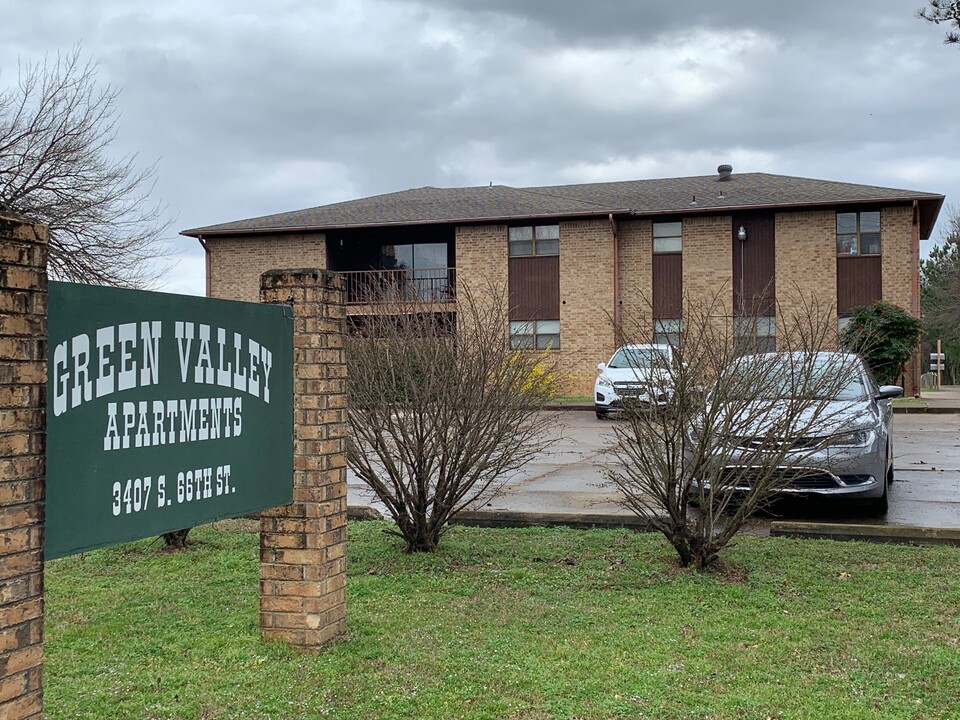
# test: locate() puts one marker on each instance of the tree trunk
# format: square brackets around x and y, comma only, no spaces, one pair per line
[176,540]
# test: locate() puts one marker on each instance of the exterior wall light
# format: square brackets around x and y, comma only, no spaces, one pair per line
[742,234]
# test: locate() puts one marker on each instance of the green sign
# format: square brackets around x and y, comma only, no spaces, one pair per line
[163,412]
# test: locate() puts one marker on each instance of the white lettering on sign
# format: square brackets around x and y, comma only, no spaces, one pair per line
[223,363]
[116,363]
[136,494]
[171,422]
[125,356]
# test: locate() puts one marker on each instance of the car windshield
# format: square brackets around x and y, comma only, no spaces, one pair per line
[769,377]
[639,357]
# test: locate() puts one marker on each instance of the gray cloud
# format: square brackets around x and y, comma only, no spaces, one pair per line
[257,108]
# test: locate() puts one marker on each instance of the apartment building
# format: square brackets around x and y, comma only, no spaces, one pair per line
[573,257]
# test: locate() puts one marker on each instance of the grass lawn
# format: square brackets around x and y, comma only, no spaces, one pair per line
[525,623]
[910,401]
[570,399]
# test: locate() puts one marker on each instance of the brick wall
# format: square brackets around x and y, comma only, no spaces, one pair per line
[23,328]
[636,278]
[481,258]
[708,262]
[899,262]
[303,545]
[586,301]
[806,266]
[235,264]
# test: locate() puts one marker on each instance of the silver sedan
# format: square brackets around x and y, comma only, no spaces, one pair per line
[842,444]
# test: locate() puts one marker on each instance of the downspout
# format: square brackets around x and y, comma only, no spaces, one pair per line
[616,280]
[206,262]
[915,289]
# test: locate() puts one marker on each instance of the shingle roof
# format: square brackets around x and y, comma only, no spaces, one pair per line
[705,193]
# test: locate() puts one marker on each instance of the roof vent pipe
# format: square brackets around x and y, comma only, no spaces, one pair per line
[725,171]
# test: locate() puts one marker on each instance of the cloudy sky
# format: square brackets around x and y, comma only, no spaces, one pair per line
[255,107]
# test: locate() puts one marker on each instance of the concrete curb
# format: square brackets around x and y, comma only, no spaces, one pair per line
[509,518]
[916,409]
[898,534]
[514,519]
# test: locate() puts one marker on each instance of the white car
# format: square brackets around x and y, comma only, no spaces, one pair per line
[635,373]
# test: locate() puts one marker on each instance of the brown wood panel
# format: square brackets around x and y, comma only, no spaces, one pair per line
[535,288]
[859,282]
[758,254]
[667,285]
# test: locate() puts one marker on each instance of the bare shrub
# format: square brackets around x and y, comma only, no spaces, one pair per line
[729,422]
[441,409]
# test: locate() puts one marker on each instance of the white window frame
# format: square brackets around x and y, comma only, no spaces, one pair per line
[667,237]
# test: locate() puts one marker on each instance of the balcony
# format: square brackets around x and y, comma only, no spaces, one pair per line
[369,291]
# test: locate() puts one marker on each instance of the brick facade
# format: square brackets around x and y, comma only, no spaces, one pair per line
[586,301]
[482,257]
[234,265]
[303,545]
[635,262]
[806,265]
[23,328]
[708,261]
[900,262]
[805,260]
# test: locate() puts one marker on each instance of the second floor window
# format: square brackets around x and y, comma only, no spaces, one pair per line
[858,233]
[667,237]
[529,240]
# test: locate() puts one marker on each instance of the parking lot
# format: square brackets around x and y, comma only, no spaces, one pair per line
[569,478]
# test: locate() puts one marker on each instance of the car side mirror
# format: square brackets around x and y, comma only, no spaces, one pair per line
[601,366]
[888,392]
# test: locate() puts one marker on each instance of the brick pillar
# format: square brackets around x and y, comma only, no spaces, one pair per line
[23,331]
[303,545]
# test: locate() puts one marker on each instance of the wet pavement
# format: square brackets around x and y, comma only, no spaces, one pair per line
[569,479]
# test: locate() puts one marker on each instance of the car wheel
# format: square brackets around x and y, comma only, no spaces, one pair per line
[601,415]
[879,506]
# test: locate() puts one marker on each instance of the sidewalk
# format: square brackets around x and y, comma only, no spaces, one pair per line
[944,400]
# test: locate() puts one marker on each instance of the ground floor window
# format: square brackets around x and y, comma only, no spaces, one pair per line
[755,334]
[666,332]
[535,335]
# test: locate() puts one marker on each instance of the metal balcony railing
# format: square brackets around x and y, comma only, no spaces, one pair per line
[373,287]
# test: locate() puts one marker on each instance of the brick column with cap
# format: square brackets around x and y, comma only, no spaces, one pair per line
[303,545]
[23,331]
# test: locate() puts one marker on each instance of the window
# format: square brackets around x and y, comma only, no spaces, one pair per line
[858,233]
[535,335]
[421,270]
[667,237]
[755,334]
[534,240]
[666,332]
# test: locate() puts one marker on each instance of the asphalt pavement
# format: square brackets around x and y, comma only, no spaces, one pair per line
[568,479]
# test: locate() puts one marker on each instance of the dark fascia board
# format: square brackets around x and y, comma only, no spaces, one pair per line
[929,207]
[200,232]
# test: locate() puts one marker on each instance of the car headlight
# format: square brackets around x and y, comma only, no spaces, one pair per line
[604,381]
[857,438]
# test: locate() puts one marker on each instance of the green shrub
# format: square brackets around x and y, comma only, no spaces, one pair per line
[886,336]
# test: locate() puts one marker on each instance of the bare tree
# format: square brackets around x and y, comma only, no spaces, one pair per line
[730,422]
[943,11]
[56,128]
[441,409]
